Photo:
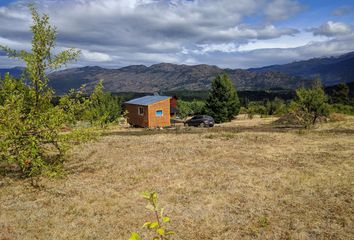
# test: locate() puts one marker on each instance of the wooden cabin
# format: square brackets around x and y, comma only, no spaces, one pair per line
[149,111]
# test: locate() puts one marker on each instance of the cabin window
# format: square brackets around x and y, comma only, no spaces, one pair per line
[159,113]
[141,111]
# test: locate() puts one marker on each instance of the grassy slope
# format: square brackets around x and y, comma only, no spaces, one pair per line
[242,180]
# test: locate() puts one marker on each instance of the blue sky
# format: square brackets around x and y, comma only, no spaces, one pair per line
[227,33]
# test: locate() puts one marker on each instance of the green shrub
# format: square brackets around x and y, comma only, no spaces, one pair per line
[310,104]
[103,108]
[255,108]
[190,108]
[276,107]
[75,104]
[342,108]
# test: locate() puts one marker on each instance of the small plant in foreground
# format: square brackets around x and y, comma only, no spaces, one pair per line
[156,229]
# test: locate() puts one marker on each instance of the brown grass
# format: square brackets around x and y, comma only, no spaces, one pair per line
[247,179]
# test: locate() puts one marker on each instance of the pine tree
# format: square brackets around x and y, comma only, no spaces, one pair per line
[222,103]
[340,94]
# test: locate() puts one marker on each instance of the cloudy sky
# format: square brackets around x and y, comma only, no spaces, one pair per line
[227,33]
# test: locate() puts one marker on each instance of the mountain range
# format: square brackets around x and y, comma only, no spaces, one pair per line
[331,70]
[170,77]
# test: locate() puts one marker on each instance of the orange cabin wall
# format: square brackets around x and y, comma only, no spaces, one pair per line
[165,119]
[134,118]
[149,119]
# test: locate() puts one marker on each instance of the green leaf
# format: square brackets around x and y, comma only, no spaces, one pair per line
[147,225]
[161,212]
[160,231]
[150,207]
[135,236]
[145,195]
[154,198]
[153,225]
[170,233]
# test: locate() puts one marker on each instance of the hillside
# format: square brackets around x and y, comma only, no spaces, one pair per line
[16,71]
[165,76]
[332,70]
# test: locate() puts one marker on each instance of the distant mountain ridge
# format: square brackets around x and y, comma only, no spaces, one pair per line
[331,70]
[170,77]
[15,72]
[167,77]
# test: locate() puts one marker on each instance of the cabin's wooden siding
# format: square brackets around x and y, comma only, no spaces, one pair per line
[133,116]
[165,119]
[149,119]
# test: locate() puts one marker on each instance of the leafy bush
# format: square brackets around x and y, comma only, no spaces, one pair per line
[103,108]
[190,108]
[254,108]
[342,108]
[99,108]
[75,104]
[222,103]
[156,229]
[276,107]
[310,104]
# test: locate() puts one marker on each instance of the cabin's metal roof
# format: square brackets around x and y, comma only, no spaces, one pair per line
[147,100]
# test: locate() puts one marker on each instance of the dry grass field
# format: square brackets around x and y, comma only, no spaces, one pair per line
[247,179]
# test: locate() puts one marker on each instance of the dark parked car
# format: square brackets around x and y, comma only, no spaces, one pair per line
[200,121]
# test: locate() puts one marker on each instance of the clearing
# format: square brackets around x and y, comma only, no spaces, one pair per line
[247,179]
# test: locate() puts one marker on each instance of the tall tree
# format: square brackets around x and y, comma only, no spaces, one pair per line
[222,102]
[30,126]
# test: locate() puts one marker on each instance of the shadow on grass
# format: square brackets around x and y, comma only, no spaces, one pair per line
[10,171]
[263,128]
[339,131]
[196,130]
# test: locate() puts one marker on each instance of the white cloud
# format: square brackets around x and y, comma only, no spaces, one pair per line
[223,47]
[95,56]
[106,29]
[114,33]
[251,32]
[14,44]
[284,42]
[331,28]
[282,9]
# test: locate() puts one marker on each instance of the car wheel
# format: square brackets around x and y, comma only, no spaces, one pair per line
[202,125]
